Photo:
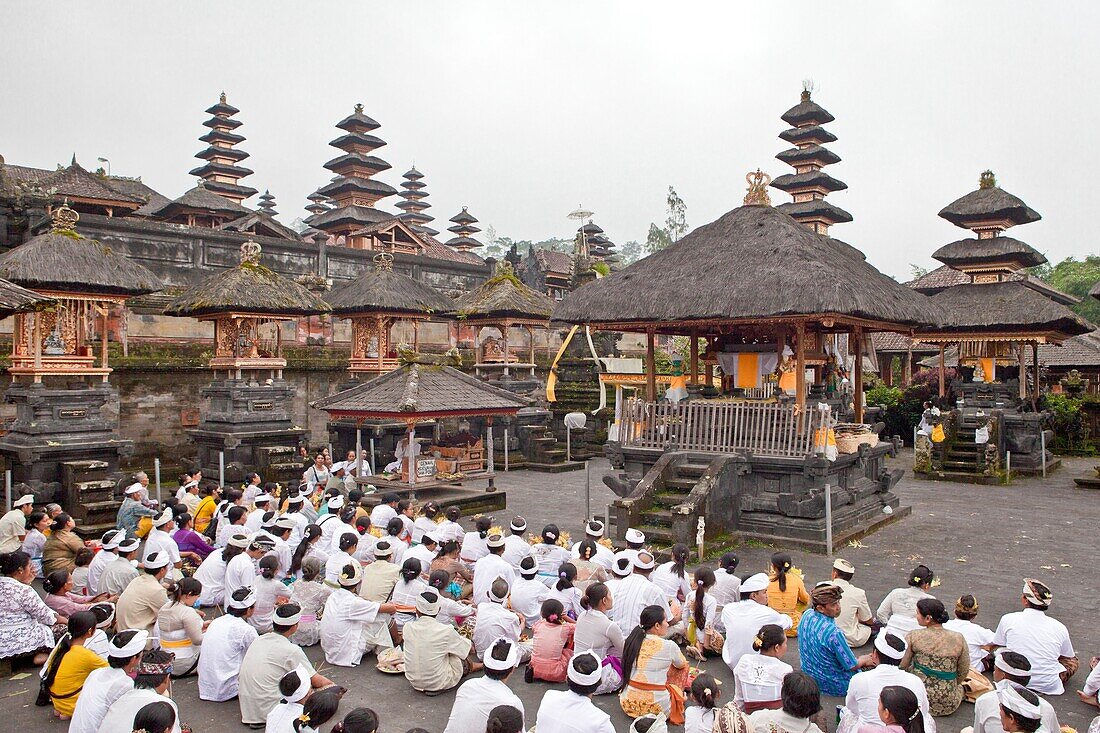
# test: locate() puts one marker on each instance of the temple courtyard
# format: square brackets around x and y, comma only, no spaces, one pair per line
[978,539]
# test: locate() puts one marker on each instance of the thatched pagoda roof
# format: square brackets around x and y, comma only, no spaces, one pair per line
[1003,306]
[383,290]
[14,299]
[753,263]
[504,296]
[989,201]
[61,260]
[422,391]
[996,249]
[248,288]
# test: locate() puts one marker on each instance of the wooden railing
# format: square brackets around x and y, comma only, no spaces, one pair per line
[720,427]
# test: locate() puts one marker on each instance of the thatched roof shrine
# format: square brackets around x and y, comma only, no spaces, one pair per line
[421,391]
[503,298]
[385,291]
[63,261]
[1008,307]
[988,202]
[754,263]
[248,288]
[14,299]
[994,249]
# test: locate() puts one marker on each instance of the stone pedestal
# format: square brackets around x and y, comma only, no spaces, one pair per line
[55,424]
[251,423]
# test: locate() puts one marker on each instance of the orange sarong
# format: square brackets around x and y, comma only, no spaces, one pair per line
[675,687]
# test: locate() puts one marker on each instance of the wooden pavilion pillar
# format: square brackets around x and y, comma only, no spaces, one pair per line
[531,342]
[504,333]
[943,377]
[1022,359]
[650,367]
[907,368]
[1035,366]
[800,365]
[416,335]
[694,357]
[857,383]
[382,341]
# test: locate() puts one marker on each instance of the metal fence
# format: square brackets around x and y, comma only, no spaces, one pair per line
[720,427]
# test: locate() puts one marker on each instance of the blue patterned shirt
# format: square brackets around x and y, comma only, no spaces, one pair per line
[825,653]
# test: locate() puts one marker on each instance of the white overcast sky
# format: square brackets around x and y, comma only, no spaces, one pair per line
[521,110]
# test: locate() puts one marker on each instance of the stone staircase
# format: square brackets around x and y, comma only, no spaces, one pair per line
[543,451]
[90,496]
[961,459]
[672,491]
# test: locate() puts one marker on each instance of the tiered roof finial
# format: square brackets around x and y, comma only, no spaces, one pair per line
[809,184]
[464,230]
[414,204]
[987,212]
[221,171]
[354,191]
[758,189]
[600,248]
[267,204]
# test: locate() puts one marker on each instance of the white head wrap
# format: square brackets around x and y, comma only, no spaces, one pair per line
[262,498]
[634,536]
[659,724]
[427,603]
[511,660]
[24,500]
[163,518]
[135,489]
[519,524]
[843,565]
[336,502]
[585,679]
[644,561]
[285,522]
[126,546]
[383,549]
[1002,664]
[246,602]
[595,528]
[239,539]
[282,617]
[303,676]
[494,540]
[1009,696]
[156,560]
[135,645]
[623,566]
[105,623]
[350,581]
[755,583]
[493,596]
[1033,596]
[112,538]
[886,650]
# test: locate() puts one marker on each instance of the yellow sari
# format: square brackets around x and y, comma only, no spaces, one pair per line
[71,674]
[204,513]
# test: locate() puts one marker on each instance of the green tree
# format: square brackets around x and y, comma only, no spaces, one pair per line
[675,227]
[1076,277]
[631,252]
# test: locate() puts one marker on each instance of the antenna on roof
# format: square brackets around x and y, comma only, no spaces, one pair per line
[807,89]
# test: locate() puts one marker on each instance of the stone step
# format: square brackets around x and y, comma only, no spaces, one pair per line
[966,477]
[963,465]
[658,517]
[691,469]
[554,453]
[95,485]
[93,531]
[665,499]
[657,535]
[555,467]
[545,440]
[686,484]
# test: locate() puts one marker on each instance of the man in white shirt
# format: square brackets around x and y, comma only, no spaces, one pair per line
[160,539]
[1043,640]
[528,592]
[120,571]
[294,513]
[477,697]
[491,567]
[865,687]
[515,547]
[224,645]
[13,525]
[436,655]
[107,552]
[279,529]
[635,543]
[494,621]
[106,685]
[744,619]
[593,531]
[1008,667]
[572,711]
[264,504]
[425,552]
[855,618]
[386,510]
[634,593]
[150,685]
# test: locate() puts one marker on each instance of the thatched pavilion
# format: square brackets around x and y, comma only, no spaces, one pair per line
[374,302]
[249,419]
[755,276]
[59,385]
[502,302]
[1000,310]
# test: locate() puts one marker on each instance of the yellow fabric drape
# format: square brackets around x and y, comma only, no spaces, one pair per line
[748,370]
[552,380]
[989,366]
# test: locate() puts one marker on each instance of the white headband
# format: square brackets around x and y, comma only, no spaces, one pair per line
[304,684]
[885,649]
[246,602]
[112,539]
[284,620]
[239,539]
[634,537]
[519,524]
[594,528]
[1002,664]
[163,518]
[585,679]
[1010,697]
[23,500]
[156,560]
[1031,595]
[350,581]
[336,502]
[128,545]
[494,540]
[623,566]
[493,596]
[189,485]
[135,489]
[285,522]
[509,662]
[135,645]
[659,724]
[105,623]
[644,564]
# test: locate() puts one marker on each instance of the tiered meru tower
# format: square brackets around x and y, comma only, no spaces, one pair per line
[809,184]
[464,231]
[267,204]
[221,172]
[597,244]
[354,192]
[414,204]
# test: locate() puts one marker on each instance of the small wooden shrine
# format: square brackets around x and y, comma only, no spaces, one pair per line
[247,425]
[423,389]
[374,302]
[60,369]
[503,302]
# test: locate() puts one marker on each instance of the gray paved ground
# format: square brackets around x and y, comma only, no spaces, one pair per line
[979,539]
